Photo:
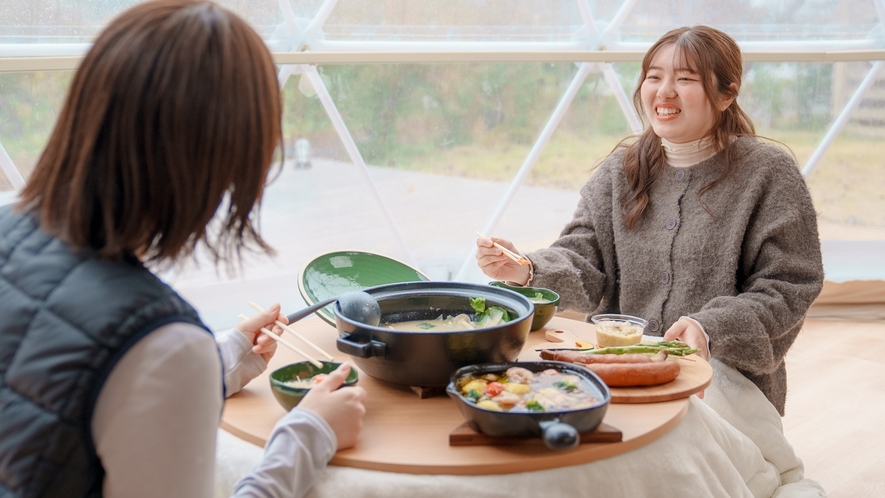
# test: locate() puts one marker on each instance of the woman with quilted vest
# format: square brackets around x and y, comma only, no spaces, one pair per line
[110,385]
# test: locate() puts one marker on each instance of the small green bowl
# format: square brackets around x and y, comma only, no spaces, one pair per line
[289,396]
[544,310]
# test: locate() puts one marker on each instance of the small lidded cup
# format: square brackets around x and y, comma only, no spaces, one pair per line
[618,330]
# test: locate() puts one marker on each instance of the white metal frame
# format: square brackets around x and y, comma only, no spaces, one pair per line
[592,50]
[843,117]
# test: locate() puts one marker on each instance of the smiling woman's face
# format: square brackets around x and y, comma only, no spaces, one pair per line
[674,99]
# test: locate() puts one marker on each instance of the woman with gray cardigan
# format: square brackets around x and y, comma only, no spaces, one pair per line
[698,226]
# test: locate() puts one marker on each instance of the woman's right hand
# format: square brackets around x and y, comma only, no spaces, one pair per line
[495,264]
[342,409]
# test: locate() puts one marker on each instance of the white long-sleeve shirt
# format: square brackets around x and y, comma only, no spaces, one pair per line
[156,419]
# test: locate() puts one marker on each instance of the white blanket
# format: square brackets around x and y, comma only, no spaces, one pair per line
[740,403]
[702,456]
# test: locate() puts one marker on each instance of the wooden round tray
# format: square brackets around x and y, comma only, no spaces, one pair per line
[695,374]
[404,433]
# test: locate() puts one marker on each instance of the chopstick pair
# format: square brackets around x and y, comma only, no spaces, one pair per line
[289,345]
[519,258]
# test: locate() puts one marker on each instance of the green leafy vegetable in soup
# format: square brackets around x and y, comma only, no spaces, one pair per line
[485,317]
[520,390]
[488,316]
[539,298]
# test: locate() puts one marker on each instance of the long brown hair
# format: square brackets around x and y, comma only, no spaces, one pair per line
[716,58]
[174,110]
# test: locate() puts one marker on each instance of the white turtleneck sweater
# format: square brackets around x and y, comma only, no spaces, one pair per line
[688,154]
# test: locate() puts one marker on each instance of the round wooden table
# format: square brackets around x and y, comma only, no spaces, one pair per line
[404,433]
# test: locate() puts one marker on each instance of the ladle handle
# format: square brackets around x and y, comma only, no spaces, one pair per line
[298,315]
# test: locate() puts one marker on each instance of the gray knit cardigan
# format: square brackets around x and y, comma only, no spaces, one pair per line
[747,270]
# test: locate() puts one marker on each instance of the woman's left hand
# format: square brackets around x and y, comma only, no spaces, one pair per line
[688,332]
[251,328]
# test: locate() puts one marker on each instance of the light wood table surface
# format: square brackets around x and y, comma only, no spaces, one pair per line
[403,433]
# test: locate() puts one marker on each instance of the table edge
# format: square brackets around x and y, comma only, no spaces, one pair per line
[553,461]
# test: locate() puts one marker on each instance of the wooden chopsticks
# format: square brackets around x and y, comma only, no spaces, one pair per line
[293,332]
[286,343]
[519,258]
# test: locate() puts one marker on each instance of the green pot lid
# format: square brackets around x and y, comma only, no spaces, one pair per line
[334,273]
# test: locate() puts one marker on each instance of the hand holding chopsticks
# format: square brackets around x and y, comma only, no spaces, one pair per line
[519,258]
[267,332]
[293,332]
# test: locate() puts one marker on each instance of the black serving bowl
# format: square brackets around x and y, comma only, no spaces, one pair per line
[427,359]
[560,430]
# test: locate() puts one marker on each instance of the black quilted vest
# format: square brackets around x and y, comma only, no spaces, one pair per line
[66,318]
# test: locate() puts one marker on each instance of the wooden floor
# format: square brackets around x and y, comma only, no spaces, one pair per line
[836,404]
[835,415]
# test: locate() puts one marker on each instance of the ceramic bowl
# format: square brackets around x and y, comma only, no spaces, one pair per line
[289,396]
[334,273]
[545,306]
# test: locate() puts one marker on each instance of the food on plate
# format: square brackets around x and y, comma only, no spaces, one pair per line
[617,333]
[538,298]
[520,390]
[636,374]
[640,370]
[675,348]
[485,316]
[305,383]
[583,358]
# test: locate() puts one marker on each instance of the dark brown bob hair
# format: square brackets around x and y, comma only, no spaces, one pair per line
[174,110]
[716,58]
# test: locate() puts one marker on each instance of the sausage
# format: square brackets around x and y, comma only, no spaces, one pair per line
[625,370]
[635,374]
[585,359]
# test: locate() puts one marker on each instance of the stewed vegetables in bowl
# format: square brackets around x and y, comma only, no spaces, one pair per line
[521,390]
[557,401]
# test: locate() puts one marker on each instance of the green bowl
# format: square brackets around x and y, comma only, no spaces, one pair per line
[331,274]
[289,396]
[544,310]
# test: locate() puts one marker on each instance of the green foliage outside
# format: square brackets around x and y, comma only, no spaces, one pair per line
[29,106]
[481,120]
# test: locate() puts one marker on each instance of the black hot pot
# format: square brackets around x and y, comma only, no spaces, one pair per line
[560,430]
[427,359]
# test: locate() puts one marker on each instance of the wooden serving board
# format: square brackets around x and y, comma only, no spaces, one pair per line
[464,435]
[695,375]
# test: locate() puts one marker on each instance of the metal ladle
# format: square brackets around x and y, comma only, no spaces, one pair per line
[358,306]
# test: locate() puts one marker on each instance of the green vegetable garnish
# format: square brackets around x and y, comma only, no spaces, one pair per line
[426,325]
[565,385]
[488,317]
[474,395]
[534,406]
[478,304]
